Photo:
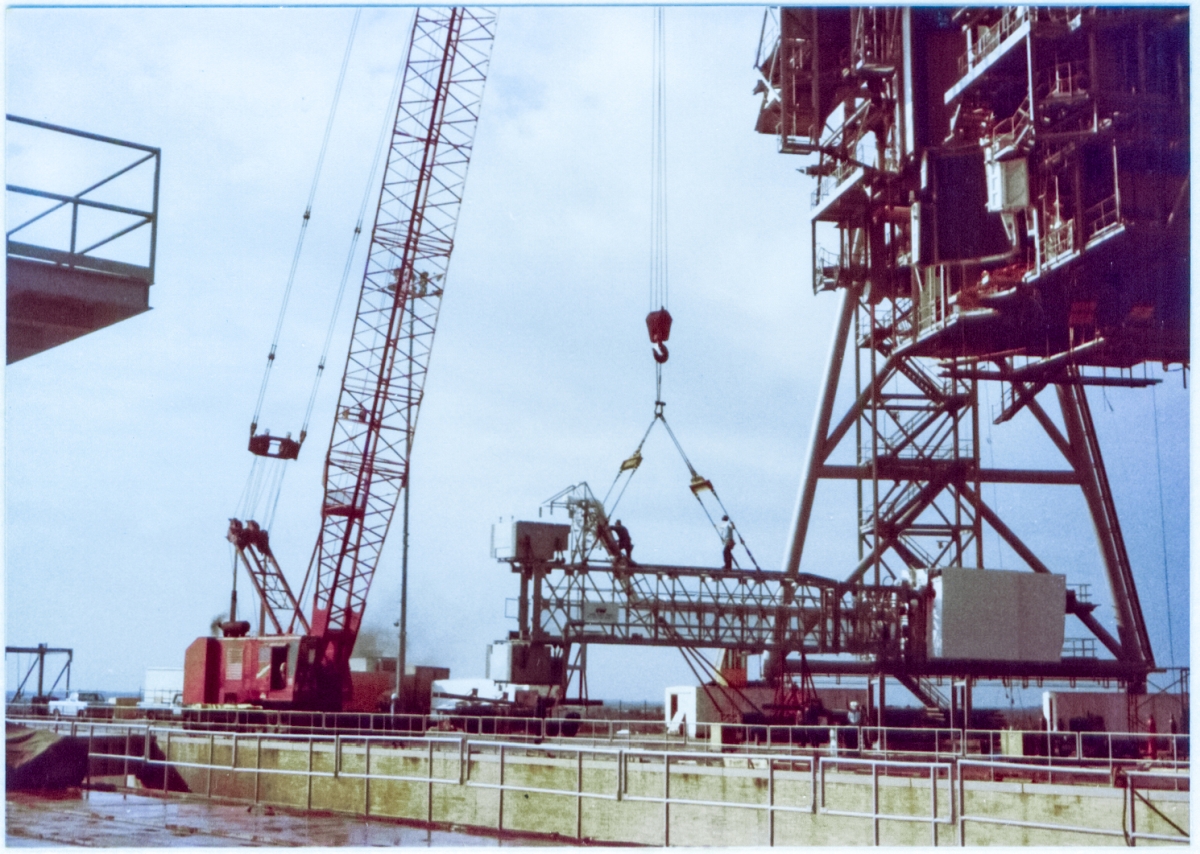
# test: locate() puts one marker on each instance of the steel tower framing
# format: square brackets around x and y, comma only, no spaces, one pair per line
[1019,217]
[1001,198]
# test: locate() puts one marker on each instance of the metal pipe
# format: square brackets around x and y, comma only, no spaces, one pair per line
[816,443]
[429,789]
[76,200]
[500,793]
[579,795]
[85,134]
[154,219]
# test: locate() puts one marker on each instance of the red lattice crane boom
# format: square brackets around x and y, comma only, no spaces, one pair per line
[366,468]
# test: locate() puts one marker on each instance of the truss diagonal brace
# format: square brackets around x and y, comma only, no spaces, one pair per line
[1026,554]
[1086,459]
[272,588]
[888,538]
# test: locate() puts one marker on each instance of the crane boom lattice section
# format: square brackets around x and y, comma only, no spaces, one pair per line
[367,466]
[253,547]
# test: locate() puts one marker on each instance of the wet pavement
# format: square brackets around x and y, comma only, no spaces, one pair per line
[116,820]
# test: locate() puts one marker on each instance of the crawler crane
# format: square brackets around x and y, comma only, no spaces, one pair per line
[301,660]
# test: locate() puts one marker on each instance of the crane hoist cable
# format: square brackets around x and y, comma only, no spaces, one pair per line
[658,168]
[380,147]
[267,471]
[266,445]
[658,325]
[658,321]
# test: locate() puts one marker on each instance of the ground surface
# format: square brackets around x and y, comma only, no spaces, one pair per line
[112,820]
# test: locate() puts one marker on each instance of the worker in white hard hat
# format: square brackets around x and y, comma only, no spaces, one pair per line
[727,538]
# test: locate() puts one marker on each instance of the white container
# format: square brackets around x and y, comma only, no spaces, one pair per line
[163,685]
[998,615]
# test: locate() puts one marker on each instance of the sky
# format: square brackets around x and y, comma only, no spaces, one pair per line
[125,450]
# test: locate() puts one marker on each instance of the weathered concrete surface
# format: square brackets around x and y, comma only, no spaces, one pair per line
[114,820]
[275,771]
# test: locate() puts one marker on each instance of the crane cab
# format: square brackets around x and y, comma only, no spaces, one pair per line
[271,671]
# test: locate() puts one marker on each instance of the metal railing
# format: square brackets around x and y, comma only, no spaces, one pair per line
[143,747]
[83,258]
[1128,830]
[826,185]
[933,770]
[1079,648]
[847,138]
[1059,240]
[1108,750]
[1064,80]
[1011,132]
[989,38]
[1102,217]
[835,268]
[465,753]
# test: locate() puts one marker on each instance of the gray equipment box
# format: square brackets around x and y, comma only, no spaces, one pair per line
[998,615]
[531,541]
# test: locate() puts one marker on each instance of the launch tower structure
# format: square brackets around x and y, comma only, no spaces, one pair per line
[1002,196]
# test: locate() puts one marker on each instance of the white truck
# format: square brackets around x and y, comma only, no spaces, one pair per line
[80,704]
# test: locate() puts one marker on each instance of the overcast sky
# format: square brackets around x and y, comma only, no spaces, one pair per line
[125,450]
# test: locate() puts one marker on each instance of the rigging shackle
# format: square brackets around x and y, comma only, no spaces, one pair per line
[658,323]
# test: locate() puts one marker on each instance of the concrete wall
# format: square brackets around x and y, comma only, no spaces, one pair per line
[709,778]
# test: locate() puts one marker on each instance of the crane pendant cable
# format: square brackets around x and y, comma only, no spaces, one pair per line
[264,444]
[264,483]
[265,480]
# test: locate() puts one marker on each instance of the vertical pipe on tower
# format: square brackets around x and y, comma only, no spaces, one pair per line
[820,430]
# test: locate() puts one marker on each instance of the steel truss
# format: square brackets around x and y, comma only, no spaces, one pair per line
[919,475]
[1034,284]
[40,652]
[278,601]
[564,605]
[367,465]
[366,469]
[932,321]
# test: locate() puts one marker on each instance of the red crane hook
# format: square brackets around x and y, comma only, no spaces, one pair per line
[659,325]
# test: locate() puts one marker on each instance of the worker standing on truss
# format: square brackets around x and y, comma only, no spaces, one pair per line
[624,542]
[658,325]
[727,538]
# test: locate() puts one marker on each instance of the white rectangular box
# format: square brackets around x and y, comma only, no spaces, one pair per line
[997,615]
[1008,184]
[529,540]
[163,685]
[499,663]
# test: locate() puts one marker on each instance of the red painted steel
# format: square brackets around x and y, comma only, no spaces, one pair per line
[366,468]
